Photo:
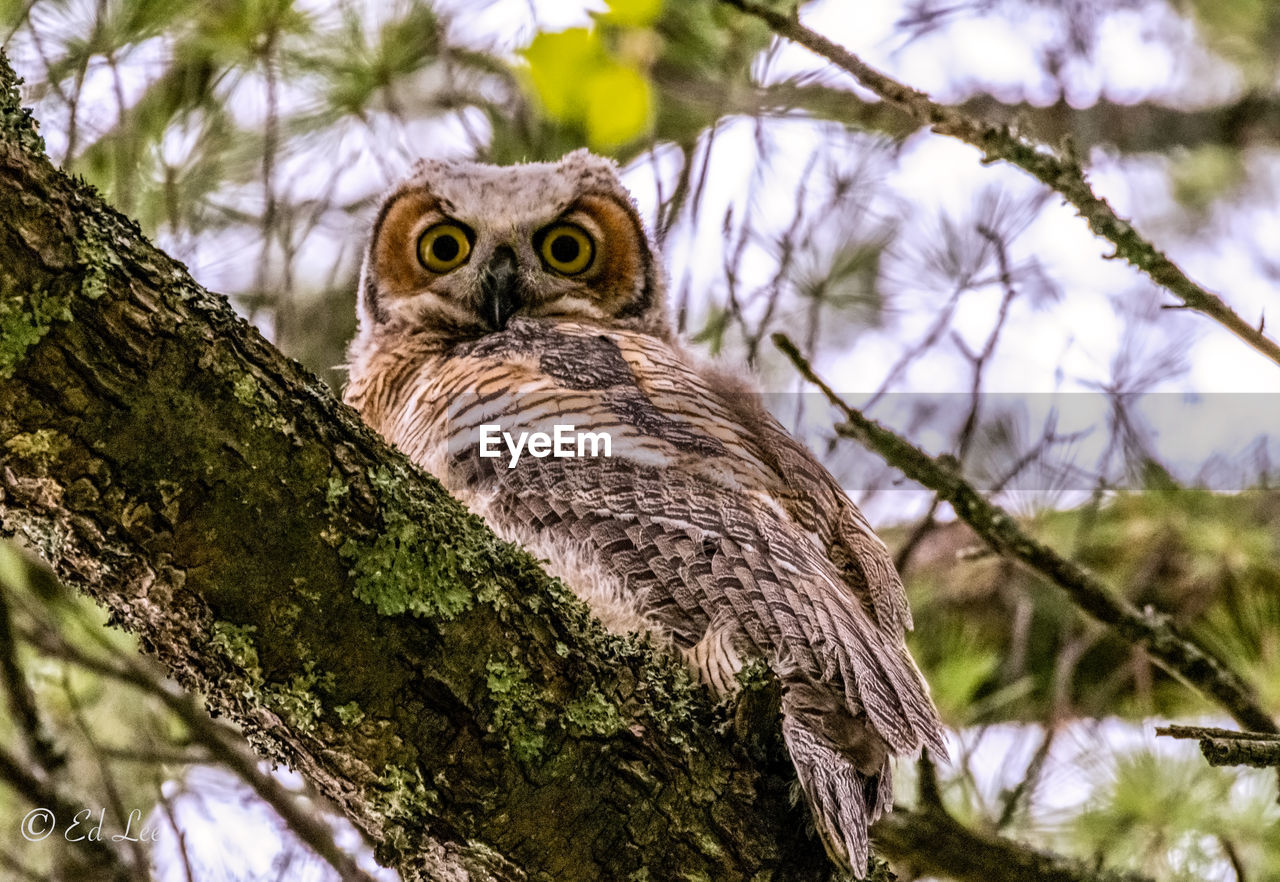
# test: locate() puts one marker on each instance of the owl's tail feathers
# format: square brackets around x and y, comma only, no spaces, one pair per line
[847,790]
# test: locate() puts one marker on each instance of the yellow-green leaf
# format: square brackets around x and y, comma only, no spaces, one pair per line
[619,106]
[558,63]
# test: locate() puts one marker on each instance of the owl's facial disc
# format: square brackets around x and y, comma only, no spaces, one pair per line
[459,249]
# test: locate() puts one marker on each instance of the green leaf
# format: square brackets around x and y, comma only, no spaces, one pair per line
[558,63]
[577,81]
[619,106]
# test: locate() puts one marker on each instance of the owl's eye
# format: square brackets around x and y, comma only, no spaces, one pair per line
[567,249]
[444,247]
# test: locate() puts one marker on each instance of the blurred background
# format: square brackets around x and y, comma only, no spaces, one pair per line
[961,303]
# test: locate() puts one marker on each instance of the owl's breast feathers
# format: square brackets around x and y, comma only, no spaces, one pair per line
[706,519]
[704,508]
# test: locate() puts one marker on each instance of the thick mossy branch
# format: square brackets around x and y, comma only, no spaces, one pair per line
[1064,174]
[1179,654]
[460,705]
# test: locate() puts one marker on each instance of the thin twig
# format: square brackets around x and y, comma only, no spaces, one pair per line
[183,852]
[1152,630]
[1237,866]
[979,362]
[1063,174]
[223,744]
[22,701]
[1224,747]
[1026,788]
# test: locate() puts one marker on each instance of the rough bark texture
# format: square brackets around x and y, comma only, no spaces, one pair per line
[460,706]
[1223,747]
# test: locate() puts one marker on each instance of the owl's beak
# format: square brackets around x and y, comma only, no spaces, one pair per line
[500,289]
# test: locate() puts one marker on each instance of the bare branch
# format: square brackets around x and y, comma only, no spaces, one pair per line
[1251,120]
[1152,630]
[932,842]
[1063,174]
[1223,747]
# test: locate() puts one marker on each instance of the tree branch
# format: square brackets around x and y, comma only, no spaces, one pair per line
[1179,654]
[1223,747]
[220,740]
[1143,127]
[932,842]
[461,707]
[1063,174]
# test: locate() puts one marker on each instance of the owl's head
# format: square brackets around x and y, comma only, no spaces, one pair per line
[459,248]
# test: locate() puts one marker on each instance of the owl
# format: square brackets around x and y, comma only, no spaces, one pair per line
[514,341]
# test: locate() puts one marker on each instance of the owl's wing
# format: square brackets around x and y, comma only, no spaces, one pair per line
[784,468]
[714,523]
[816,500]
[706,509]
[696,552]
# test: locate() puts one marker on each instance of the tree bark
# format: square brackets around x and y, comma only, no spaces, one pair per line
[461,707]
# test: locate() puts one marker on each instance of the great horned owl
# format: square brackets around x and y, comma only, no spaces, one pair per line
[496,301]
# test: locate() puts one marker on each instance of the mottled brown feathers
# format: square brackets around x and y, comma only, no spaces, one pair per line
[707,525]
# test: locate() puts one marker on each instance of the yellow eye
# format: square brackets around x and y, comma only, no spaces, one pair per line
[444,247]
[567,249]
